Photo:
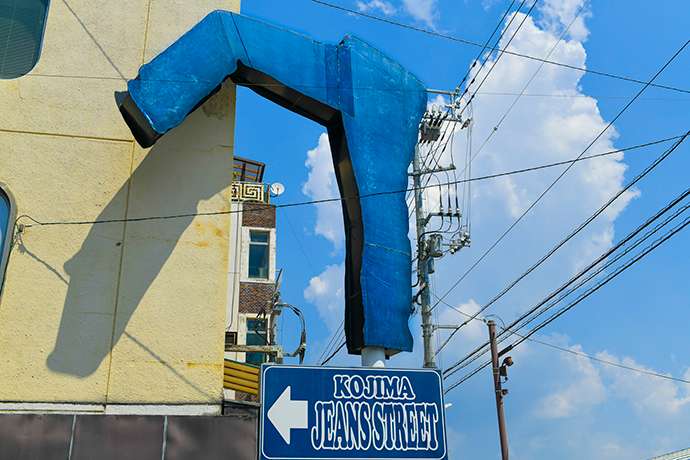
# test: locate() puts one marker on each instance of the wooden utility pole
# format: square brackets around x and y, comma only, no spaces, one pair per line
[500,393]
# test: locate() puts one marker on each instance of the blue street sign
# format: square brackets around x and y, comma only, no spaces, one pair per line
[320,413]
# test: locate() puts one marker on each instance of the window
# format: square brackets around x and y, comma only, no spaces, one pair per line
[5,231]
[258,254]
[22,23]
[230,340]
[256,335]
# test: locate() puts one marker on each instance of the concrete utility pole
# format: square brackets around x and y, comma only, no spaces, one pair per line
[373,357]
[429,245]
[422,261]
[500,393]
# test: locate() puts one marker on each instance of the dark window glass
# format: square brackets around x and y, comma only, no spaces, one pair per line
[4,230]
[22,23]
[230,339]
[256,335]
[258,254]
[258,236]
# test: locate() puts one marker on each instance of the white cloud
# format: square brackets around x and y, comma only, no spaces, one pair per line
[650,396]
[580,408]
[465,340]
[325,291]
[558,14]
[582,384]
[475,330]
[383,6]
[584,389]
[425,11]
[559,389]
[488,4]
[537,131]
[321,184]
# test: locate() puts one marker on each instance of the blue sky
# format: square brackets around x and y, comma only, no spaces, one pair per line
[560,406]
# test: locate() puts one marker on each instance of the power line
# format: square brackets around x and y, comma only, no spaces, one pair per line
[524,88]
[331,200]
[338,337]
[564,172]
[565,96]
[313,267]
[605,361]
[575,232]
[246,85]
[365,88]
[333,340]
[472,156]
[502,52]
[486,44]
[581,298]
[468,162]
[298,238]
[441,145]
[541,308]
[498,41]
[332,355]
[604,257]
[513,53]
[577,353]
[599,285]
[565,290]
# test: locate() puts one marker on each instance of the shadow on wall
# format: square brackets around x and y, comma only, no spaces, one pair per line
[170,180]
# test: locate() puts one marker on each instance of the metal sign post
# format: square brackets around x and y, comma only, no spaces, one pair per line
[330,413]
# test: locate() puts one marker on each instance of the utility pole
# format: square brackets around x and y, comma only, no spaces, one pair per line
[500,393]
[422,261]
[429,244]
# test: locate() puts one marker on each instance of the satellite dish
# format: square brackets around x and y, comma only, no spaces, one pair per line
[277,189]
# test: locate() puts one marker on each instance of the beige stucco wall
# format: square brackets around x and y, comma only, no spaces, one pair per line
[120,312]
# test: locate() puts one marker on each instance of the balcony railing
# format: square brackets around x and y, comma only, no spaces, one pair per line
[247,170]
[250,191]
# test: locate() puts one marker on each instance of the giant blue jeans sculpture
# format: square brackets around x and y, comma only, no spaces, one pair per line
[371,107]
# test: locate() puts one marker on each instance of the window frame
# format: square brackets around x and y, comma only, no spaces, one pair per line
[7,240]
[255,332]
[38,54]
[267,244]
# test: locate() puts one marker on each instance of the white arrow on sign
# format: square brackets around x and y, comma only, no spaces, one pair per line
[286,414]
